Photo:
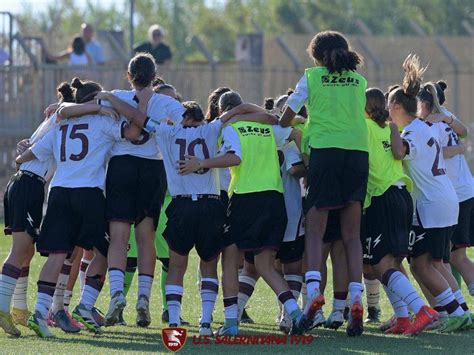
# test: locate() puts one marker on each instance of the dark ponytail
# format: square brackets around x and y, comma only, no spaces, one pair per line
[141,70]
[331,49]
[65,92]
[269,103]
[375,106]
[78,91]
[213,103]
[441,87]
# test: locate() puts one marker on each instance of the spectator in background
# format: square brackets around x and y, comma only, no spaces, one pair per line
[4,57]
[93,48]
[76,53]
[160,51]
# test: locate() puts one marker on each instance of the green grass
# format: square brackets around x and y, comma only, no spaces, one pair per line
[262,308]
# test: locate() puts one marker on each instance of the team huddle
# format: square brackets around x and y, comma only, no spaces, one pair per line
[330,168]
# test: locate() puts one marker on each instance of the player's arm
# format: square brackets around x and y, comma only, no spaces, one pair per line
[137,117]
[399,149]
[26,156]
[69,110]
[451,151]
[296,136]
[297,171]
[295,102]
[192,164]
[450,119]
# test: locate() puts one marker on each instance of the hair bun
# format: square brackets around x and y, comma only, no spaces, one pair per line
[65,92]
[290,91]
[442,84]
[76,83]
[269,103]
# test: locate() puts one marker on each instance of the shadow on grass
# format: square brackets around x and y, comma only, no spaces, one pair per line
[324,341]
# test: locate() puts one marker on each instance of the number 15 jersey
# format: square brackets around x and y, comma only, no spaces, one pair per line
[436,200]
[79,147]
[177,141]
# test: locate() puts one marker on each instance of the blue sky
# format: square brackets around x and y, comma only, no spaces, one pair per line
[16,6]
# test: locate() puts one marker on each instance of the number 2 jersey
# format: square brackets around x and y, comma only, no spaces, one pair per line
[456,167]
[436,200]
[160,107]
[80,147]
[177,141]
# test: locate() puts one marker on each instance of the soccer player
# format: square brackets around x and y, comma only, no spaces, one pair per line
[388,217]
[135,189]
[437,205]
[23,205]
[195,198]
[336,134]
[256,214]
[450,130]
[76,203]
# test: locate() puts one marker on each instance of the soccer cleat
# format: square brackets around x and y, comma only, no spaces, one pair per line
[424,317]
[455,323]
[117,304]
[86,317]
[39,325]
[313,305]
[205,330]
[229,330]
[99,317]
[299,325]
[373,315]
[165,318]
[388,324]
[335,320]
[285,323]
[62,321]
[346,313]
[355,326]
[51,319]
[6,323]
[143,312]
[20,316]
[402,324]
[318,320]
[74,322]
[246,318]
[121,320]
[468,324]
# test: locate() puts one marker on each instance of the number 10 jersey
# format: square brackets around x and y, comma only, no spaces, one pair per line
[436,200]
[176,142]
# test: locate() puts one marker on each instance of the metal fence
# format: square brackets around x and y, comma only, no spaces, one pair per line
[26,91]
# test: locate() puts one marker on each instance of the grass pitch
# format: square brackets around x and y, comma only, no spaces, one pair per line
[262,308]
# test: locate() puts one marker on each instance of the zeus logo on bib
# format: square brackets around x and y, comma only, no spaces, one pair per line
[249,130]
[330,80]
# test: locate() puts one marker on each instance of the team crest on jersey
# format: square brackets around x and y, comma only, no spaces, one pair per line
[386,145]
[173,338]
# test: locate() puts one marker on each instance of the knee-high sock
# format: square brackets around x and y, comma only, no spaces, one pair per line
[19,300]
[8,280]
[58,298]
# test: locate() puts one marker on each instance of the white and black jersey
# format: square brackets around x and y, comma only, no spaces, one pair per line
[436,200]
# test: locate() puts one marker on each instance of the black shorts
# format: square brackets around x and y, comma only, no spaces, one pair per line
[198,224]
[225,198]
[135,189]
[435,241]
[291,252]
[461,237]
[336,177]
[256,221]
[75,217]
[333,227]
[23,203]
[388,222]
